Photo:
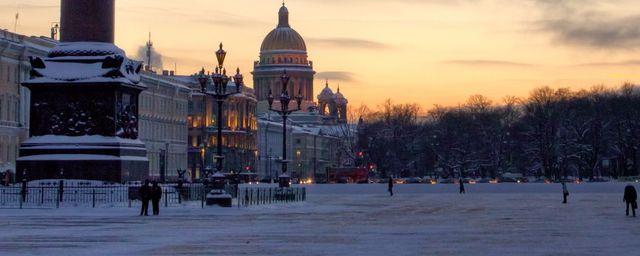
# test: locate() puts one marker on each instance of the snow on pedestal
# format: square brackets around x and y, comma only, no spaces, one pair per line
[84,115]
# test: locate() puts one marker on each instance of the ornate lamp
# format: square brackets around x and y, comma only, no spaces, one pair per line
[220,55]
[203,79]
[284,78]
[270,98]
[238,80]
[299,98]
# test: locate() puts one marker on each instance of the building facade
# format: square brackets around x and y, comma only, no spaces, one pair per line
[239,127]
[163,124]
[311,146]
[15,50]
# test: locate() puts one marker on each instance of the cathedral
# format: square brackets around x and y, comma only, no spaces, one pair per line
[284,49]
[316,133]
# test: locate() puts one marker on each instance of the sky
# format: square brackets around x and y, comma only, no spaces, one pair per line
[410,51]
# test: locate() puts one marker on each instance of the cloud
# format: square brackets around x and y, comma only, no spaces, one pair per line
[438,2]
[343,42]
[31,6]
[336,76]
[581,23]
[487,63]
[229,21]
[626,63]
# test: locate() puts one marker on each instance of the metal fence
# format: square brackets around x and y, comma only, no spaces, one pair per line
[51,196]
[79,196]
[270,195]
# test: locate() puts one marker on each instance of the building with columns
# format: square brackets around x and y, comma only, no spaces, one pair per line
[163,123]
[15,50]
[314,137]
[239,126]
[283,49]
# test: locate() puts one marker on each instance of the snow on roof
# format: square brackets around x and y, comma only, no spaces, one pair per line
[164,79]
[320,130]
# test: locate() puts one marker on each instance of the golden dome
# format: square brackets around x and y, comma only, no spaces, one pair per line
[283,37]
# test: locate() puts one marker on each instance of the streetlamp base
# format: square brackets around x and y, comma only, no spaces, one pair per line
[218,197]
[284,181]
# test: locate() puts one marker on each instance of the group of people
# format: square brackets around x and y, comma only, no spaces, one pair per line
[630,195]
[150,193]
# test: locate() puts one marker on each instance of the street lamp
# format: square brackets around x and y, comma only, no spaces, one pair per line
[61,185]
[220,95]
[284,112]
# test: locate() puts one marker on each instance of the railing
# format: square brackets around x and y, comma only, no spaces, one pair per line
[270,195]
[79,196]
[51,196]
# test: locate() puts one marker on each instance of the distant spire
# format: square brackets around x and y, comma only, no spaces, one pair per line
[338,87]
[15,25]
[282,2]
[326,83]
[149,46]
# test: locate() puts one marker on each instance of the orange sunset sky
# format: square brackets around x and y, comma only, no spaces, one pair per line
[412,51]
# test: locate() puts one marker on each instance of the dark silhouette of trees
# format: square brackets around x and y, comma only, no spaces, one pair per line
[552,133]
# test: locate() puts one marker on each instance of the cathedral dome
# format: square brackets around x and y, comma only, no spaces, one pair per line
[283,37]
[326,95]
[340,99]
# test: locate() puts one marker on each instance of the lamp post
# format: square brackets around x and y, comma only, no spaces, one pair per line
[61,185]
[23,190]
[220,95]
[284,112]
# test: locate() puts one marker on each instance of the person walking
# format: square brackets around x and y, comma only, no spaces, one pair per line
[390,186]
[156,194]
[630,197]
[462,191]
[565,193]
[144,195]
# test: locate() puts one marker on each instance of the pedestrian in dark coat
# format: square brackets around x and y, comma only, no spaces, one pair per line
[631,197]
[462,191]
[565,193]
[145,196]
[390,186]
[156,194]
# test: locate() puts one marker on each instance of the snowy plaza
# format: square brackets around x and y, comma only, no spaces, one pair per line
[491,219]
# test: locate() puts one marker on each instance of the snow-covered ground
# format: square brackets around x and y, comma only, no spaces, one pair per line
[492,219]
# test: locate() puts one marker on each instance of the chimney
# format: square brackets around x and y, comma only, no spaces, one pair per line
[165,72]
[172,73]
[87,21]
